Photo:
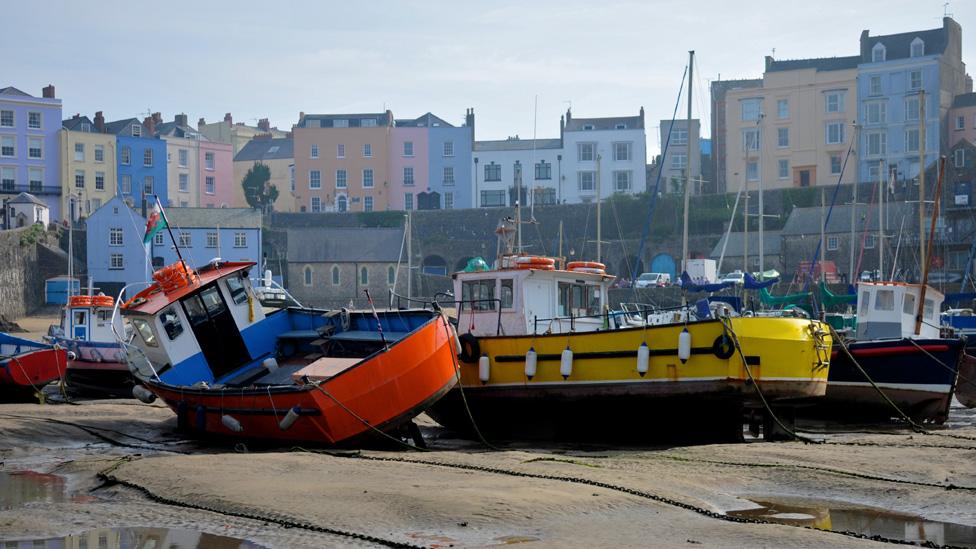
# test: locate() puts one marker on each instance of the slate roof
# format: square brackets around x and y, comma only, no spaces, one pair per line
[74,124]
[202,218]
[517,144]
[820,64]
[26,198]
[898,46]
[355,120]
[122,126]
[10,90]
[806,221]
[964,100]
[428,120]
[610,123]
[772,242]
[344,245]
[267,149]
[172,129]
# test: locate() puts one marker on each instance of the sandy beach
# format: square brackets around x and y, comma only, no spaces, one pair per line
[121,464]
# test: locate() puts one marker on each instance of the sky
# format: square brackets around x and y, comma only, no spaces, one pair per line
[519,64]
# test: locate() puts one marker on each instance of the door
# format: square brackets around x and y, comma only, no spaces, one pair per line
[79,324]
[215,330]
[804,178]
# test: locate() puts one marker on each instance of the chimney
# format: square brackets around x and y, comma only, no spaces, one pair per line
[469,119]
[201,123]
[264,125]
[150,124]
[157,118]
[769,61]
[180,119]
[229,119]
[642,114]
[100,122]
[48,92]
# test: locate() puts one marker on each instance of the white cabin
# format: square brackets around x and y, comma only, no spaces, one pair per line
[85,318]
[888,310]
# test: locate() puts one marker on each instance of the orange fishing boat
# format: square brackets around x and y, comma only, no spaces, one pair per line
[26,366]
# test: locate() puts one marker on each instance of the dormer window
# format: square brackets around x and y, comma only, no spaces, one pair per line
[587,126]
[878,53]
[621,127]
[918,48]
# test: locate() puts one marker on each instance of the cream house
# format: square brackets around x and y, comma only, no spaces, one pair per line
[279,156]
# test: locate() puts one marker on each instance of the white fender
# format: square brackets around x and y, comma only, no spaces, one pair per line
[231,423]
[484,368]
[643,358]
[684,346]
[290,418]
[143,394]
[566,363]
[531,361]
[270,363]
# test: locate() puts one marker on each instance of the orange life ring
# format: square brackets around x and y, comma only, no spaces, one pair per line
[103,301]
[534,260]
[573,265]
[536,267]
[80,301]
[173,277]
[591,270]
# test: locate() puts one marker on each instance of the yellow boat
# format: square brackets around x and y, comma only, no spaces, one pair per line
[541,350]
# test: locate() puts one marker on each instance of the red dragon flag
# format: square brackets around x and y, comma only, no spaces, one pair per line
[155,223]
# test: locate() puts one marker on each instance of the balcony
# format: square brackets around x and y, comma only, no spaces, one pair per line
[36,190]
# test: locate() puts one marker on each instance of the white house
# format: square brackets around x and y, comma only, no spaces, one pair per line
[498,164]
[24,210]
[614,147]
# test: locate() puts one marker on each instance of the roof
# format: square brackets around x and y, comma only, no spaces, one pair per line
[354,120]
[205,218]
[807,221]
[156,301]
[267,149]
[344,245]
[964,100]
[898,46]
[819,64]
[122,126]
[10,90]
[26,198]
[172,129]
[74,123]
[425,121]
[516,144]
[771,243]
[610,123]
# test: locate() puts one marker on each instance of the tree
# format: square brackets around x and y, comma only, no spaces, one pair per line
[258,192]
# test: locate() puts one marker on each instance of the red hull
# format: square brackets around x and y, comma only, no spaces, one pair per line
[386,390]
[33,369]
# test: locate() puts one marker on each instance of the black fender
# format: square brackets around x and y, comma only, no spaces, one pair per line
[470,349]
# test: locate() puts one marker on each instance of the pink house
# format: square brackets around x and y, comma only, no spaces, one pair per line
[217,176]
[962,119]
[408,164]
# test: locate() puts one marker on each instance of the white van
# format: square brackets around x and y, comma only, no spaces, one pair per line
[651,280]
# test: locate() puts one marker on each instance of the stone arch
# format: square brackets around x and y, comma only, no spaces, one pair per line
[435,265]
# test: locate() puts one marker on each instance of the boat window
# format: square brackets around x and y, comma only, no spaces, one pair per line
[578,300]
[865,302]
[909,308]
[79,318]
[237,292]
[212,300]
[478,295]
[885,300]
[171,323]
[145,331]
[104,315]
[195,312]
[508,293]
[929,308]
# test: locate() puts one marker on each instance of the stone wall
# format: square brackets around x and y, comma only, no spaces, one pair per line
[22,273]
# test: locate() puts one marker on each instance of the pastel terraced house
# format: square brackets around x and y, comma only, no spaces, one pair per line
[237,134]
[89,167]
[200,171]
[217,185]
[29,147]
[141,161]
[408,165]
[279,156]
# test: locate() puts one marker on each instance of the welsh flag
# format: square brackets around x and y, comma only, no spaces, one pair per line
[156,223]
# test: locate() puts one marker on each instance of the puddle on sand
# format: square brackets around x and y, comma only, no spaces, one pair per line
[137,538]
[841,517]
[511,540]
[18,488]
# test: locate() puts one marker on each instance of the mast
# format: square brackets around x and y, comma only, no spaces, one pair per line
[535,123]
[762,211]
[850,266]
[518,208]
[409,257]
[823,205]
[684,232]
[560,255]
[881,227]
[745,228]
[926,260]
[599,200]
[921,177]
[71,248]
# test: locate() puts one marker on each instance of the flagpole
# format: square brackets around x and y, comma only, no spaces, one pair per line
[170,231]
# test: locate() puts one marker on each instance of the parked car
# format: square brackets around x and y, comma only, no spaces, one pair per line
[870,276]
[653,280]
[735,277]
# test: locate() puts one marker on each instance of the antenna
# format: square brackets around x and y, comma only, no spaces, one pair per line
[946,12]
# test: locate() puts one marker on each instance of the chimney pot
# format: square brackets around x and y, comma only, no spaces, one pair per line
[48,91]
[228,118]
[180,119]
[100,121]
[150,125]
[264,124]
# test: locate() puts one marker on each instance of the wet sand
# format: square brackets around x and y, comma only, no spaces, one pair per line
[462,494]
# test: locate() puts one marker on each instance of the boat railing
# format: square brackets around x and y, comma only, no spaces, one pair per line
[438,302]
[126,345]
[275,285]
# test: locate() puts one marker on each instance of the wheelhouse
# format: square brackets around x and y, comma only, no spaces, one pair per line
[888,310]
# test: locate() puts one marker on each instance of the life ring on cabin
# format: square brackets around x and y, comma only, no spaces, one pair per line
[536,267]
[103,301]
[535,260]
[470,348]
[80,301]
[574,265]
[173,277]
[723,347]
[591,270]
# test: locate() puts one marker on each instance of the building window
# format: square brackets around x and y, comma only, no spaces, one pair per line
[834,133]
[834,101]
[835,164]
[493,172]
[340,151]
[679,161]
[79,179]
[34,120]
[35,179]
[240,240]
[314,179]
[335,275]
[448,201]
[679,136]
[79,152]
[911,140]
[874,85]
[448,148]
[543,170]
[750,108]
[876,112]
[782,109]
[448,175]
[316,204]
[184,183]
[208,160]
[211,239]
[116,262]
[34,147]
[367,178]
[182,157]
[368,204]
[211,185]
[307,275]
[832,244]
[878,53]
[960,123]
[126,154]
[340,123]
[367,123]
[8,178]
[125,182]
[621,151]
[408,148]
[750,139]
[147,157]
[911,109]
[390,275]
[136,130]
[314,152]
[342,204]
[186,240]
[291,177]
[915,80]
[367,150]
[115,236]
[621,181]
[341,180]
[408,176]
[782,137]
[7,146]
[6,119]
[408,201]
[363,276]
[99,153]
[877,143]
[94,204]
[586,181]
[492,199]
[783,166]
[99,181]
[585,152]
[872,172]
[752,170]
[959,158]
[918,48]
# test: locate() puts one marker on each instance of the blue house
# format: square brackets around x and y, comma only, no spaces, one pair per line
[893,71]
[117,256]
[137,176]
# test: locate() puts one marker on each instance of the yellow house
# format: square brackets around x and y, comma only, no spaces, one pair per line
[239,134]
[795,129]
[88,165]
[279,156]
